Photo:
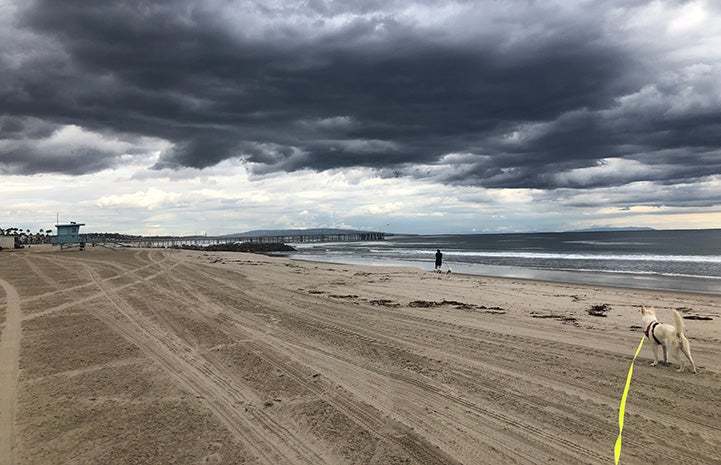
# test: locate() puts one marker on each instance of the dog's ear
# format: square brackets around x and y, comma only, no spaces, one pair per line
[643,309]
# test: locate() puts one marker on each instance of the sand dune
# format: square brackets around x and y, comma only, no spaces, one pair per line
[162,356]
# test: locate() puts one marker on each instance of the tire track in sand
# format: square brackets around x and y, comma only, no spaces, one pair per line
[96,295]
[369,384]
[9,357]
[269,441]
[517,433]
[377,423]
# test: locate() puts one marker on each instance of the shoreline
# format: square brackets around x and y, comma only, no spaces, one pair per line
[654,282]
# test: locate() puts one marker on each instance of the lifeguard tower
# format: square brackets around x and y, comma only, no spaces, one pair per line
[69,236]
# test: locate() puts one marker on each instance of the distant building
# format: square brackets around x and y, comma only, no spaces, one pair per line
[7,242]
[69,235]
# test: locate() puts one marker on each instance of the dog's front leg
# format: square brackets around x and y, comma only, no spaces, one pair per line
[655,354]
[665,355]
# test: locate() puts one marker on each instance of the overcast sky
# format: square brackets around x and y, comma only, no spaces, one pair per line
[220,116]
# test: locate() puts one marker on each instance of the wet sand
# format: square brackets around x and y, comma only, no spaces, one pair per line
[152,356]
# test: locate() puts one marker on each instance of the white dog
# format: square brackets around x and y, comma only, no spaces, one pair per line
[669,337]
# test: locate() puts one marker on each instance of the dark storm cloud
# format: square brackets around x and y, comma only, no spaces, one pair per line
[524,91]
[27,159]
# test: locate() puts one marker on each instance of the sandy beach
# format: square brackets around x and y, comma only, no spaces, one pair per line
[154,356]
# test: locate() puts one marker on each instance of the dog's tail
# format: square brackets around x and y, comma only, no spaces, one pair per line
[679,323]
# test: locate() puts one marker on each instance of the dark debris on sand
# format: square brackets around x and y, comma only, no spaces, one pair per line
[599,310]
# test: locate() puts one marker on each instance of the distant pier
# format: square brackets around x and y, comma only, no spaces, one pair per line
[169,242]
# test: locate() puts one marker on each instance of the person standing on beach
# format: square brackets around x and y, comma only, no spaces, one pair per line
[439,259]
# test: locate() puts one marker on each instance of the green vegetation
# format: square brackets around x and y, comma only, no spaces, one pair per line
[25,236]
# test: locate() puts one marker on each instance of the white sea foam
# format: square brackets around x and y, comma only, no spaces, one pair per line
[689,260]
[448,254]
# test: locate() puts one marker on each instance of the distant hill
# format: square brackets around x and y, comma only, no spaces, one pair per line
[292,232]
[613,229]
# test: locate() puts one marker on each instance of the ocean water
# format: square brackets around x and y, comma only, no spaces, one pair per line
[684,260]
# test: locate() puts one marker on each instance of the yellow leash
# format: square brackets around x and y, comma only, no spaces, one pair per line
[622,408]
